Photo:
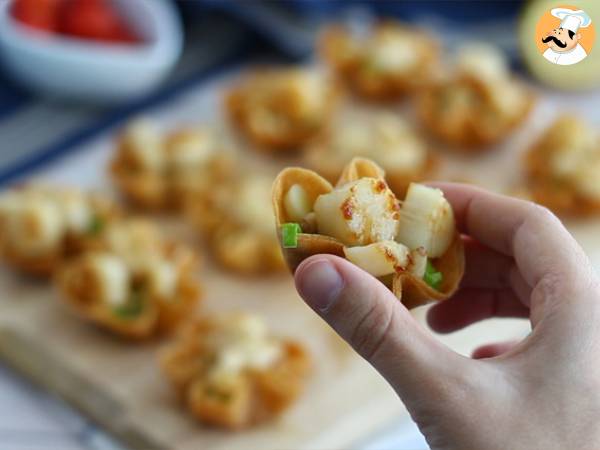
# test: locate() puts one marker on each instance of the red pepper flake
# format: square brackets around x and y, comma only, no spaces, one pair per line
[347,209]
[380,186]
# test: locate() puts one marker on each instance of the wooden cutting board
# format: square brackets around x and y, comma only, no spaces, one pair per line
[119,385]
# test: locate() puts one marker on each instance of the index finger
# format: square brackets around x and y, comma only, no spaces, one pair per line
[531,234]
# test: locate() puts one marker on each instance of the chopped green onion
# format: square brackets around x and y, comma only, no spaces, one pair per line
[132,308]
[289,234]
[432,276]
[96,225]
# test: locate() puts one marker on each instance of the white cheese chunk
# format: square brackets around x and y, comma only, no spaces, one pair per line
[143,139]
[35,226]
[242,342]
[111,278]
[162,278]
[482,61]
[76,210]
[188,149]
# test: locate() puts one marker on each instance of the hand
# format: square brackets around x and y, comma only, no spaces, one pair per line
[540,393]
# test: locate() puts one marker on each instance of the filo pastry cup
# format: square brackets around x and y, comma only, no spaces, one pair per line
[138,285]
[265,378]
[410,289]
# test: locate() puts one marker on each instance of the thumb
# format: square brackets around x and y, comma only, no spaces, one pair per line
[372,320]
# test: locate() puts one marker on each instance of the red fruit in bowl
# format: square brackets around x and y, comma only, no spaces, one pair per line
[40,14]
[95,19]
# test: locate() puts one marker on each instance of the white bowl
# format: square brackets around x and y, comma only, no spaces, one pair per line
[61,66]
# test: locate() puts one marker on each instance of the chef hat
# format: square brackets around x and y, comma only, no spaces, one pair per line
[572,20]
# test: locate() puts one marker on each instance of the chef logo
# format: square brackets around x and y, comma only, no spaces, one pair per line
[565,35]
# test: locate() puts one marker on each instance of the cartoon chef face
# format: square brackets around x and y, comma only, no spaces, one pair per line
[561,39]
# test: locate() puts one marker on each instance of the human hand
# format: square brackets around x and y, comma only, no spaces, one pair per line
[540,393]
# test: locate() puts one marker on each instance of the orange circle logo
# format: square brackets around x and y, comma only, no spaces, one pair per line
[565,35]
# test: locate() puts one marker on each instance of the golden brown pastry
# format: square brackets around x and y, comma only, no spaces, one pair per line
[236,221]
[385,138]
[475,104]
[280,109]
[40,226]
[155,171]
[232,373]
[412,246]
[391,61]
[563,168]
[137,284]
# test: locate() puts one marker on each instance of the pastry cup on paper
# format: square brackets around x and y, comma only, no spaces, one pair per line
[236,400]
[411,290]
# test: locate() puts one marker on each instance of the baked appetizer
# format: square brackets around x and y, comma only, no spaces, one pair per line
[235,219]
[563,168]
[385,138]
[391,61]
[40,226]
[155,171]
[412,246]
[136,285]
[232,373]
[280,109]
[477,103]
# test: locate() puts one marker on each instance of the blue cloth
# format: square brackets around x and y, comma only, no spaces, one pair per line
[279,21]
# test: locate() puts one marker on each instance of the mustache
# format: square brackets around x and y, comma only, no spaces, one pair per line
[555,40]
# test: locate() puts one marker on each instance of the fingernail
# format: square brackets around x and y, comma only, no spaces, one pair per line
[320,284]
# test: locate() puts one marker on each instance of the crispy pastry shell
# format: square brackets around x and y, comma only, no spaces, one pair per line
[255,397]
[467,137]
[159,316]
[346,58]
[289,139]
[45,264]
[70,285]
[411,290]
[397,180]
[542,188]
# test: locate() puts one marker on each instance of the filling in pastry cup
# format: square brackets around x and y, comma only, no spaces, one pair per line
[412,246]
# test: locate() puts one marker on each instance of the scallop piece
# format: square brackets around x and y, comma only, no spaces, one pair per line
[380,258]
[426,220]
[142,139]
[297,204]
[358,213]
[108,277]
